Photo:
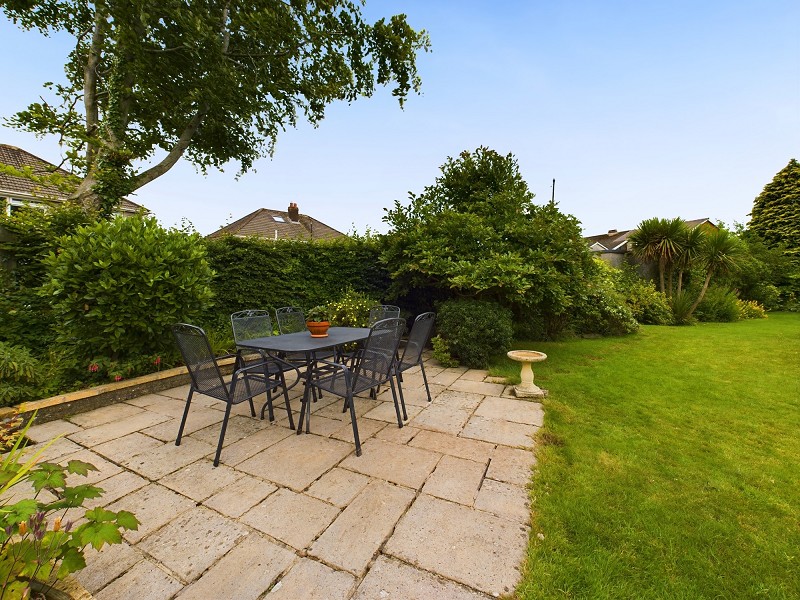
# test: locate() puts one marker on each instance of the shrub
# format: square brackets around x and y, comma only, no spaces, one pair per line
[475,330]
[20,375]
[719,305]
[441,352]
[603,310]
[647,304]
[681,308]
[117,287]
[351,309]
[750,309]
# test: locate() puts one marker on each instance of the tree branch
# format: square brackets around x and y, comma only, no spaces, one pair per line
[90,87]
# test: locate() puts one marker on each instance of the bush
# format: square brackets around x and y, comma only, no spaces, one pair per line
[441,352]
[681,306]
[117,286]
[475,330]
[351,309]
[21,375]
[647,304]
[718,305]
[603,310]
[750,309]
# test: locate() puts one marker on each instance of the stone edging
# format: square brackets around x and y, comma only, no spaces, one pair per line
[57,407]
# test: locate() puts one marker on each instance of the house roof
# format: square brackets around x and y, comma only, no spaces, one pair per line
[277,225]
[26,189]
[617,241]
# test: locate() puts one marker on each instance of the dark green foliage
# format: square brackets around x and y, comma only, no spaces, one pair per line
[475,330]
[476,232]
[647,304]
[256,273]
[21,375]
[351,309]
[767,274]
[776,211]
[117,286]
[719,305]
[26,238]
[441,352]
[603,310]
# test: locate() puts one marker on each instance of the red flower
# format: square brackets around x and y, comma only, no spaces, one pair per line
[117,377]
[93,367]
[157,361]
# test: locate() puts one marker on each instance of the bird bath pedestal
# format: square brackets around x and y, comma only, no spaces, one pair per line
[527,389]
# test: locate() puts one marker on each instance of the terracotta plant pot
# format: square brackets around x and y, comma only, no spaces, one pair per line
[318,328]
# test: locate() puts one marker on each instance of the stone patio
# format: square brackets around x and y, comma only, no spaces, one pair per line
[437,509]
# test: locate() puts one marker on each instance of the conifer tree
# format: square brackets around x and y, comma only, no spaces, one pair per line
[776,211]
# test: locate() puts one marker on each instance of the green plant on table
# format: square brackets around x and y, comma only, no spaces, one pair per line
[38,537]
[318,314]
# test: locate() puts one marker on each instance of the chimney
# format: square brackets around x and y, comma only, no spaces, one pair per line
[294,212]
[612,231]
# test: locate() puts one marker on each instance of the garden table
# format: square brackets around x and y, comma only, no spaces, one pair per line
[302,343]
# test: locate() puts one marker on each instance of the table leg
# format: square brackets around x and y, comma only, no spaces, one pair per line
[305,409]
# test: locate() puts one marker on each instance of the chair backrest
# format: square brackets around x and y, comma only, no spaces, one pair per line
[199,358]
[378,355]
[290,319]
[419,336]
[251,324]
[381,312]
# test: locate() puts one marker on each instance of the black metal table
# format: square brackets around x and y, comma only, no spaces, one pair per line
[302,343]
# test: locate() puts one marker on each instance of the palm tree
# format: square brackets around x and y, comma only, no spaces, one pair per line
[692,244]
[721,253]
[659,240]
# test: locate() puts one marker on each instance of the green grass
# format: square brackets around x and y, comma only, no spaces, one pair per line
[669,464]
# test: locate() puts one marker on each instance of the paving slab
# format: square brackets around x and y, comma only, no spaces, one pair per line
[104,468]
[295,519]
[418,396]
[477,387]
[366,429]
[200,479]
[454,446]
[398,435]
[504,500]
[150,399]
[127,446]
[446,377]
[240,496]
[511,465]
[455,479]
[311,580]
[357,534]
[153,505]
[116,487]
[385,412]
[117,429]
[248,446]
[106,414]
[168,457]
[198,419]
[442,417]
[54,451]
[390,579]
[297,461]
[171,407]
[106,565]
[47,431]
[208,534]
[338,486]
[499,432]
[239,427]
[466,545]
[516,411]
[144,581]
[475,375]
[464,400]
[244,573]
[398,464]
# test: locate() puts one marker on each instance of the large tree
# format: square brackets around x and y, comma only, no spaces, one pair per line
[776,211]
[475,232]
[211,80]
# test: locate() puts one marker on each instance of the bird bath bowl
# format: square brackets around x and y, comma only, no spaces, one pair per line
[527,389]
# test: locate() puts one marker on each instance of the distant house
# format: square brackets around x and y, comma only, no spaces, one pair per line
[279,225]
[613,246]
[16,191]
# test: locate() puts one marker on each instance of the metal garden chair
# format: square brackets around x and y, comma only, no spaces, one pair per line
[381,312]
[251,324]
[373,365]
[245,384]
[412,353]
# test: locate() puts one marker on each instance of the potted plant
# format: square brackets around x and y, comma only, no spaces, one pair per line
[40,544]
[318,321]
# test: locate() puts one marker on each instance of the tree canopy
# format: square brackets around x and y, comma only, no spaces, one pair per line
[477,233]
[776,211]
[213,80]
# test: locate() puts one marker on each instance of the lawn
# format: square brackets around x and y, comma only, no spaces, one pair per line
[669,464]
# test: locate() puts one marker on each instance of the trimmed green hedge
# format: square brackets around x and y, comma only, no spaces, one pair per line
[255,273]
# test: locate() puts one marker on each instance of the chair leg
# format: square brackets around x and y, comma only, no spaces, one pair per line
[222,433]
[353,421]
[425,379]
[185,414]
[396,404]
[402,398]
[282,378]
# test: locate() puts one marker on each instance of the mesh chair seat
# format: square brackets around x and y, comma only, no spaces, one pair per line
[412,353]
[246,382]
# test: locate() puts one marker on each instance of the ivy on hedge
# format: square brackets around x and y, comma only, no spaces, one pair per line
[256,273]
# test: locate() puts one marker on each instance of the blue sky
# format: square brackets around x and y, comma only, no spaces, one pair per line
[637,109]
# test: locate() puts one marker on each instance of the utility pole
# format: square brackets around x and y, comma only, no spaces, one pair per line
[553,197]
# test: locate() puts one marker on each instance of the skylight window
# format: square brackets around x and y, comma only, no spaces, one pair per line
[279,219]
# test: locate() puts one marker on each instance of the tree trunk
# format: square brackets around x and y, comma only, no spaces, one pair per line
[662,265]
[700,297]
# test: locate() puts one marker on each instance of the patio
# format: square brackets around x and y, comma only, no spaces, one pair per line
[437,509]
